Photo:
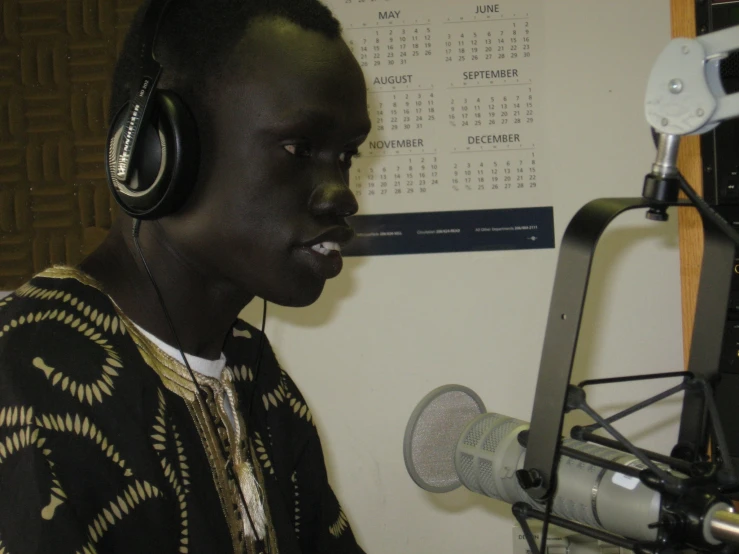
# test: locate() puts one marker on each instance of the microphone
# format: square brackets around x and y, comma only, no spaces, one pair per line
[451,441]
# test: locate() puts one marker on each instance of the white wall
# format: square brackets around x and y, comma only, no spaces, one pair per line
[390,329]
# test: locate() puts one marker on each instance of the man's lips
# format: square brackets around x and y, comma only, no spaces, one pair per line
[323,252]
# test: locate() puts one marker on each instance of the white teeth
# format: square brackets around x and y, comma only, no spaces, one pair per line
[326,247]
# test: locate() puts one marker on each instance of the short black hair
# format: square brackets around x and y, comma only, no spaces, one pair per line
[197,36]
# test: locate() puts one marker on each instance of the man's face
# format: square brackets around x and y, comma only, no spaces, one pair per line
[269,215]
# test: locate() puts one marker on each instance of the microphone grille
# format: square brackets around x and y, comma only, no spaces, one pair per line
[433,432]
[488,442]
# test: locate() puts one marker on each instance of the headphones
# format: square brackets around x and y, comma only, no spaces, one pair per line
[153,146]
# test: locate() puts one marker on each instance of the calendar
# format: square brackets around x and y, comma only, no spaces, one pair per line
[452,161]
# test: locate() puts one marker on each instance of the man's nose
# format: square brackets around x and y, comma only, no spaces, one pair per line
[333,197]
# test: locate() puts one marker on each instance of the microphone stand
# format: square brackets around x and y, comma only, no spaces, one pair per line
[685,500]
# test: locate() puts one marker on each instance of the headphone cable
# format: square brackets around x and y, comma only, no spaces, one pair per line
[200,392]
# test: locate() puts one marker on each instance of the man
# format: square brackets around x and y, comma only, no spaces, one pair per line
[108,443]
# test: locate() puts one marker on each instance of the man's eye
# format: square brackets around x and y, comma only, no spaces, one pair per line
[301,150]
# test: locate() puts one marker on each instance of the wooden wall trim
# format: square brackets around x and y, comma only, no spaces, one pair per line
[690,226]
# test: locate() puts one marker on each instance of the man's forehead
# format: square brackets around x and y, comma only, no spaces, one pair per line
[282,75]
[277,45]
[283,61]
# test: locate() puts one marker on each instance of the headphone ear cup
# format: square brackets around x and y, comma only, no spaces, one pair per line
[165,162]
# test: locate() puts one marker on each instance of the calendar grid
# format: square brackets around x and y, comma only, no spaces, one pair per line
[402,90]
[490,150]
[365,26]
[462,20]
[453,98]
[489,86]
[388,155]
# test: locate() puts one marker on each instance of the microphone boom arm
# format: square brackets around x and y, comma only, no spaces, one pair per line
[554,394]
[684,96]
[563,328]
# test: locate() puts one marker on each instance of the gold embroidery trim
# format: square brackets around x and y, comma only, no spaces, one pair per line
[176,378]
[66,272]
[208,421]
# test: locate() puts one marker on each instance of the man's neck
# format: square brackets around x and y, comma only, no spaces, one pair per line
[201,308]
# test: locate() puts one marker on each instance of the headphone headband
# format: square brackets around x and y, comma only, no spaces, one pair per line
[139,107]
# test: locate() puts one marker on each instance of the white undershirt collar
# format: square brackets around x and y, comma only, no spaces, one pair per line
[204,366]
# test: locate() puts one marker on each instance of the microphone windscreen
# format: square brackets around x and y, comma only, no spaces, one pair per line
[433,432]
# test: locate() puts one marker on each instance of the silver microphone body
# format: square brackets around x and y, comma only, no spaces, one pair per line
[450,440]
[488,454]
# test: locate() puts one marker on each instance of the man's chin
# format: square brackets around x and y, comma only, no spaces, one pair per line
[301,296]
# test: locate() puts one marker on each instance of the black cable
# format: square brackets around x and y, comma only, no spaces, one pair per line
[707,211]
[200,392]
[136,228]
[258,362]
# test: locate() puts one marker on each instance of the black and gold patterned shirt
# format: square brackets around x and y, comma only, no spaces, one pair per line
[105,445]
